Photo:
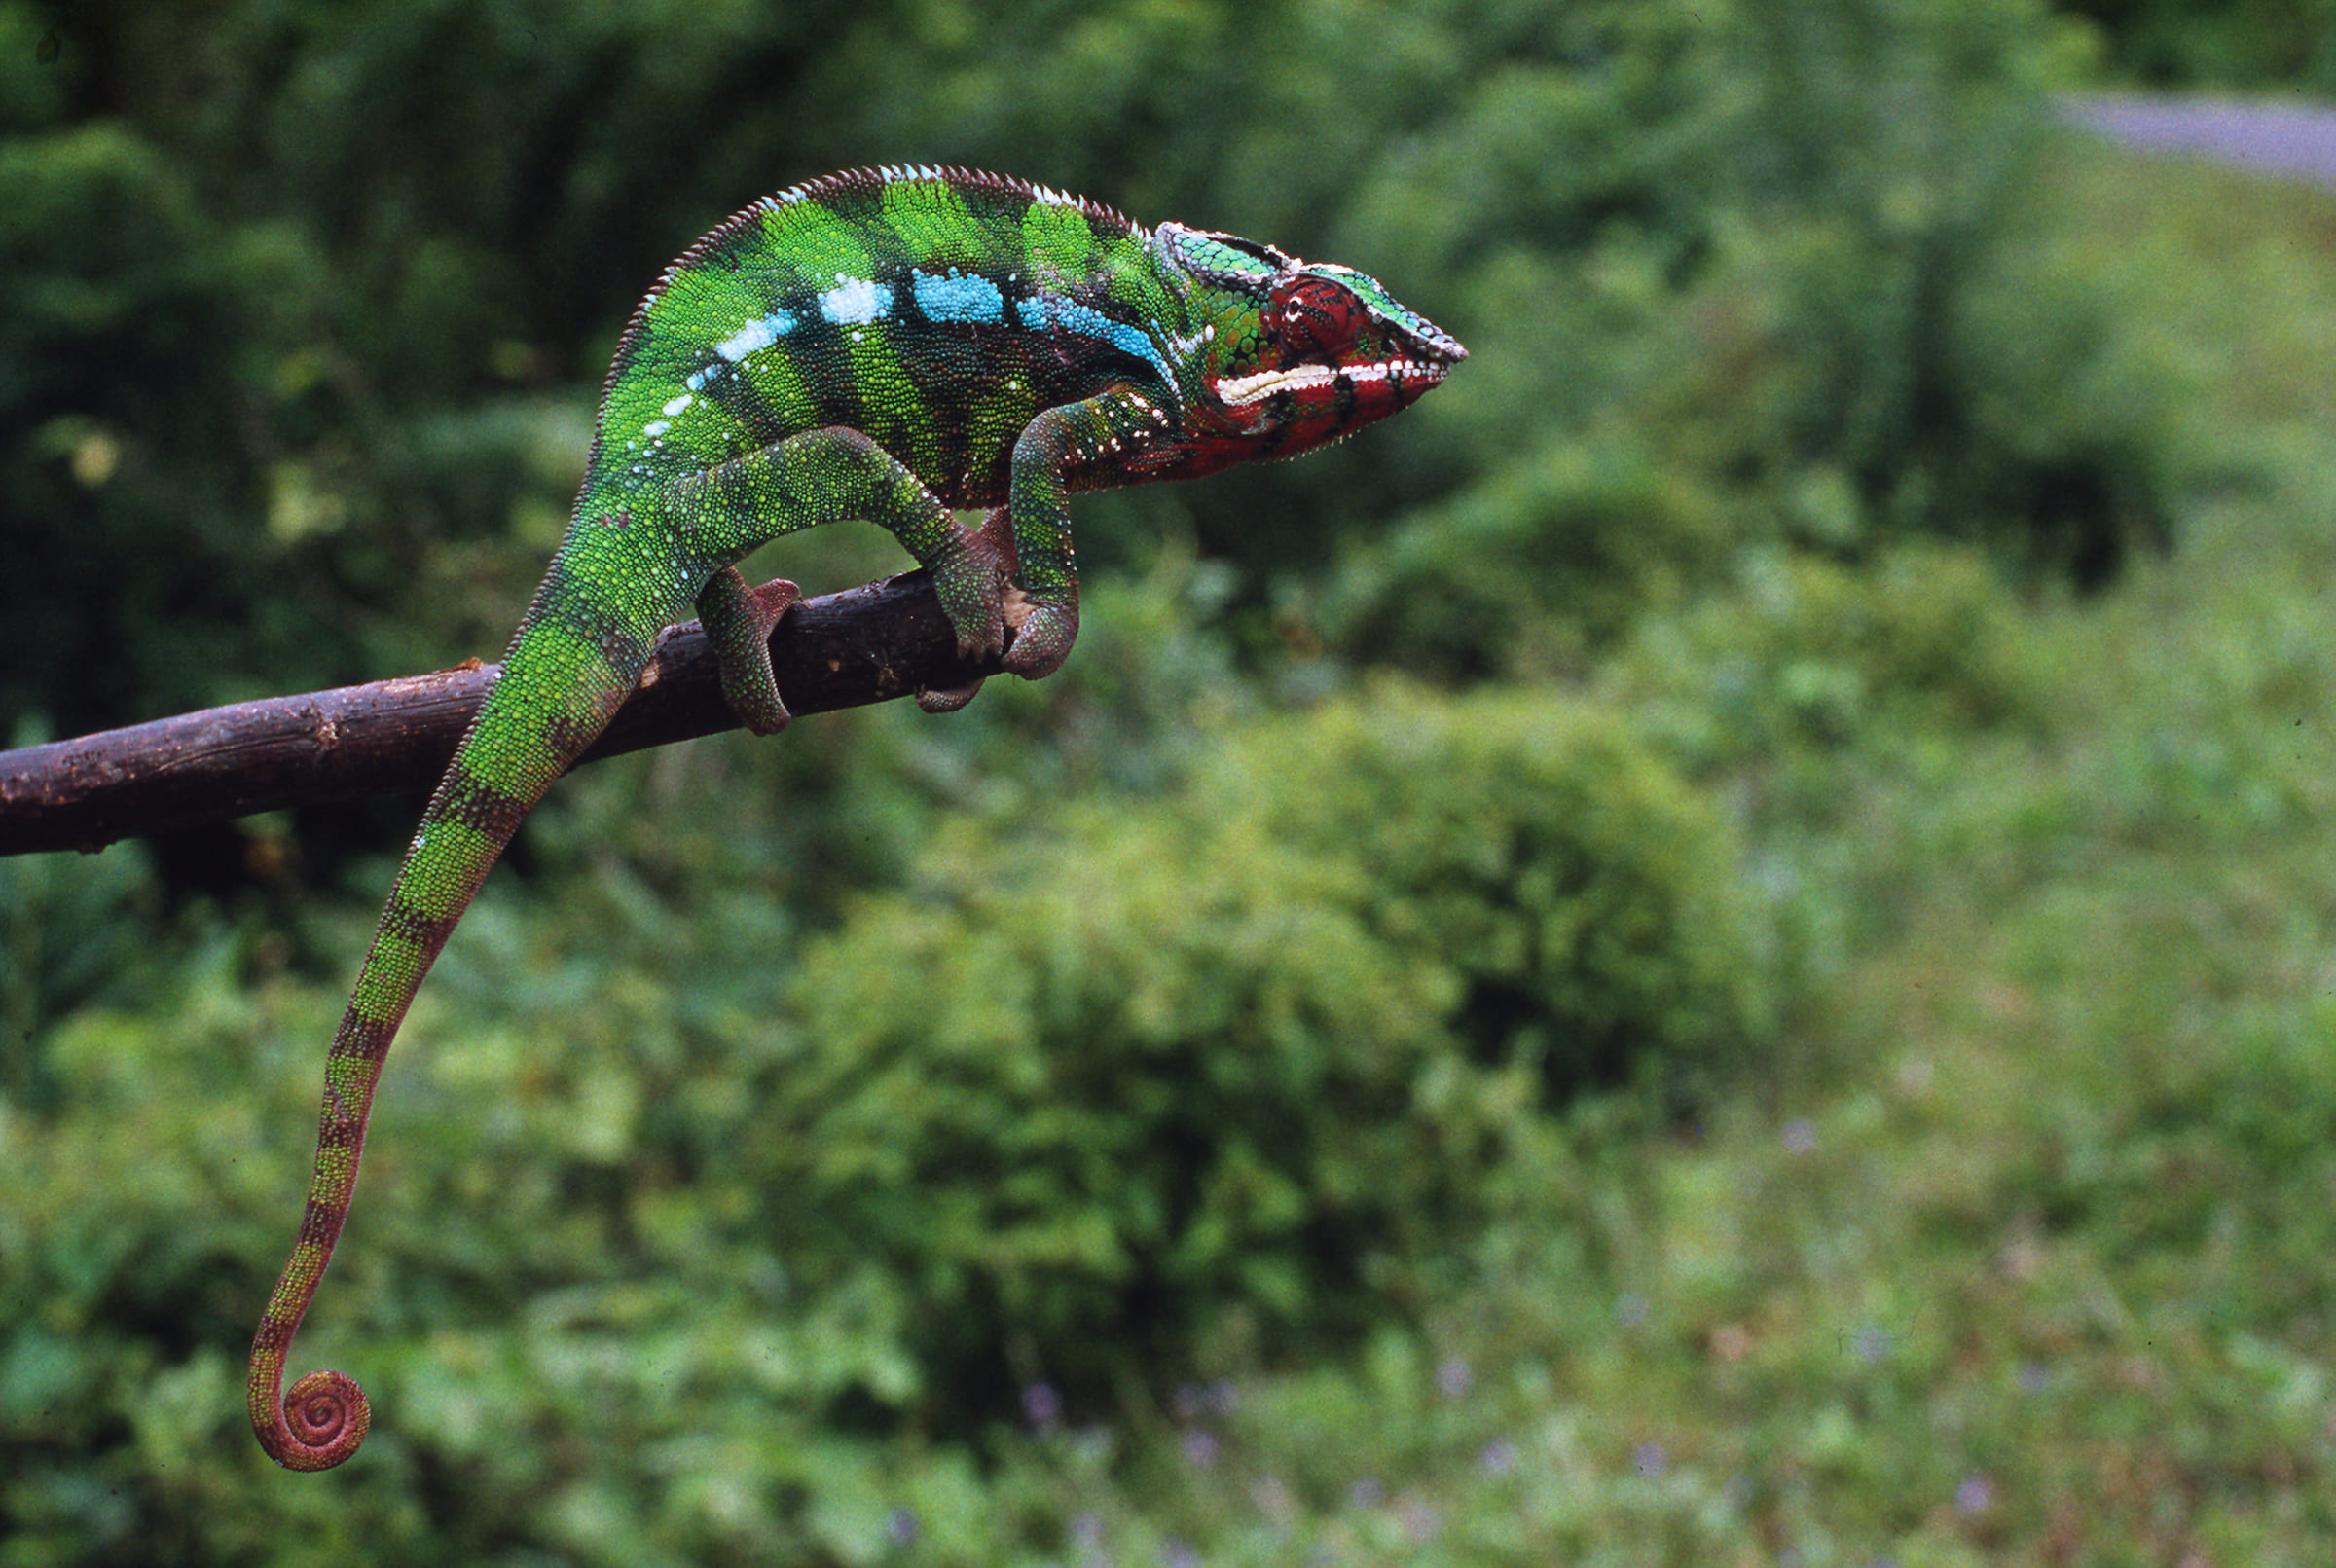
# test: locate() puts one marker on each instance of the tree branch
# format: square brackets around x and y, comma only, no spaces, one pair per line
[843,650]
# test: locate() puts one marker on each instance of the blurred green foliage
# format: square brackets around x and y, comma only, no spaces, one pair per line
[2225,44]
[1224,1070]
[1714,945]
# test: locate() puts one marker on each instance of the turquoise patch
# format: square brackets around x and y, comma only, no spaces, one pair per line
[970,297]
[1069,315]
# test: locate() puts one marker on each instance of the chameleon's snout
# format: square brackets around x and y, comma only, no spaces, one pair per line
[1436,345]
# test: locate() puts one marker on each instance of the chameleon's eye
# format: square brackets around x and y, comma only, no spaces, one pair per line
[1316,318]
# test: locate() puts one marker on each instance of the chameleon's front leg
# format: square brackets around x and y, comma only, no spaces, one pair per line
[1112,429]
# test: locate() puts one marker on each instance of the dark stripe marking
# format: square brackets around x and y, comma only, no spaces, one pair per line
[472,804]
[418,928]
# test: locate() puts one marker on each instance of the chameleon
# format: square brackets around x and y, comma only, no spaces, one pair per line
[889,345]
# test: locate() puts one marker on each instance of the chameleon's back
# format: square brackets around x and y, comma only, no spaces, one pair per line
[936,310]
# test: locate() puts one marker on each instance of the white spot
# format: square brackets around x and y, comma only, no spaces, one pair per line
[656,427]
[759,333]
[855,302]
[678,404]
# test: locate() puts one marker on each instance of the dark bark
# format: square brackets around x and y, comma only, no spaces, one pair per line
[844,650]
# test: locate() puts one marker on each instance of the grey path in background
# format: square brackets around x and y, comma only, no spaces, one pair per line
[2293,140]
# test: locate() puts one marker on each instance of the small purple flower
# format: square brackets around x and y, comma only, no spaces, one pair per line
[902,1528]
[1799,1136]
[1367,1492]
[1271,1497]
[1975,1495]
[2034,1378]
[1421,1521]
[1175,1553]
[1498,1457]
[1042,1406]
[1453,1378]
[1650,1460]
[1200,1448]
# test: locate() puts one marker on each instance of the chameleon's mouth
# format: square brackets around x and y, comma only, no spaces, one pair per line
[1400,376]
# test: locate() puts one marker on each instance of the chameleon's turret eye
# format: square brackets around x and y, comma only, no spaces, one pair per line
[1225,261]
[1315,317]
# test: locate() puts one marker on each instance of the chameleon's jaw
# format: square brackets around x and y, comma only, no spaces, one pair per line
[1292,409]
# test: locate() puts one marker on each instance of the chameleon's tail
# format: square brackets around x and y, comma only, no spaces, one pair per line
[571,668]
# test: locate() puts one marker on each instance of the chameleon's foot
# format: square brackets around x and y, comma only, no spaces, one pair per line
[1029,633]
[1044,631]
[970,576]
[739,620]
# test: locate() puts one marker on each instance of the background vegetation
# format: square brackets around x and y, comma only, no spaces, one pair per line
[1715,948]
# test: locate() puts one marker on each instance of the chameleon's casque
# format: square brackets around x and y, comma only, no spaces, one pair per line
[889,345]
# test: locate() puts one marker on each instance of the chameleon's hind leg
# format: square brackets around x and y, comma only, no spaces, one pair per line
[826,476]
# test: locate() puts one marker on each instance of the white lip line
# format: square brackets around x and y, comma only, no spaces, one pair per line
[1265,383]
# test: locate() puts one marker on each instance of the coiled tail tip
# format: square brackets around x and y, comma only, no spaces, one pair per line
[319,1424]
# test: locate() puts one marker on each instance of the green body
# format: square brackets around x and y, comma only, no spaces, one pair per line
[887,344]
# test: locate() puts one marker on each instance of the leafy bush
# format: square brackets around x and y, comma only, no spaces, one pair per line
[1904,315]
[1144,1083]
[2180,44]
[1537,568]
[1806,654]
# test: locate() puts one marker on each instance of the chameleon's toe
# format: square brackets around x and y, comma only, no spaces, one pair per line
[947,699]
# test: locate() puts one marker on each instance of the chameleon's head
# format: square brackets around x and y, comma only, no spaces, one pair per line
[1294,355]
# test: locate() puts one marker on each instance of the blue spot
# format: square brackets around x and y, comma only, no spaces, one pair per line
[970,298]
[1069,315]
